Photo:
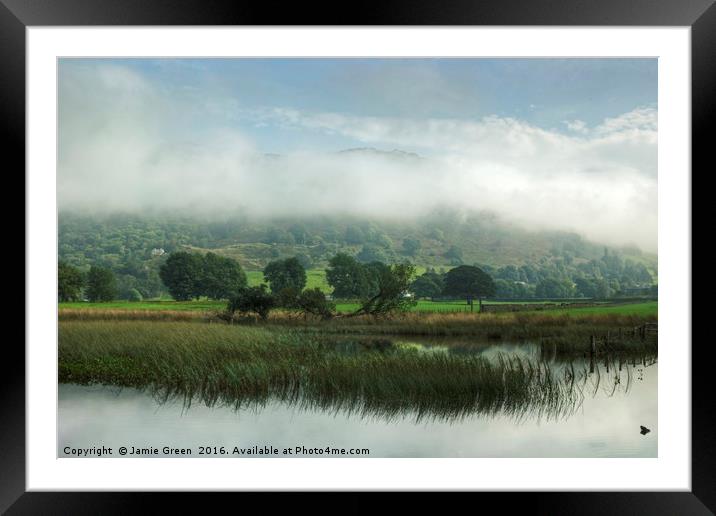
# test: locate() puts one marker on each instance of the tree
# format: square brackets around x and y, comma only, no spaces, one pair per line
[373,272]
[504,288]
[602,289]
[372,253]
[299,232]
[69,282]
[509,273]
[134,295]
[429,285]
[382,240]
[347,276]
[585,287]
[354,235]
[391,290]
[287,297]
[411,246]
[469,282]
[101,284]
[252,299]
[181,274]
[288,273]
[454,254]
[304,260]
[221,277]
[436,233]
[554,288]
[314,302]
[279,236]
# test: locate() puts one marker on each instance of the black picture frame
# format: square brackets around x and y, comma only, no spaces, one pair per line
[16,15]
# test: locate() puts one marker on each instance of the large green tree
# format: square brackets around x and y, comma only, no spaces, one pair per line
[69,282]
[221,277]
[181,274]
[347,276]
[284,274]
[101,284]
[429,285]
[469,282]
[389,292]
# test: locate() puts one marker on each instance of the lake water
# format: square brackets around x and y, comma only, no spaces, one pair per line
[613,406]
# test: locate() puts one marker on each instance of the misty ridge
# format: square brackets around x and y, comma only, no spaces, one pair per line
[130,145]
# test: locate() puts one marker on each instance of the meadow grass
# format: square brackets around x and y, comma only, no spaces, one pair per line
[163,304]
[645,309]
[314,278]
[227,364]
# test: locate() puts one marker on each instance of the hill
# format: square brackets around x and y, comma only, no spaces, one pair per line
[134,246]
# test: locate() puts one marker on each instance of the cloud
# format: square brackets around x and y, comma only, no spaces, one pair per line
[578,126]
[127,143]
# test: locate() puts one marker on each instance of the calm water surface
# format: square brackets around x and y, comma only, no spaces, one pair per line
[613,406]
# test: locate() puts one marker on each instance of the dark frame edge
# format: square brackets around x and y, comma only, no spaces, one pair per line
[12,134]
[702,498]
[703,115]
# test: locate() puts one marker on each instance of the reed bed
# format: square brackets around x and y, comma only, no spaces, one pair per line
[508,326]
[121,314]
[239,365]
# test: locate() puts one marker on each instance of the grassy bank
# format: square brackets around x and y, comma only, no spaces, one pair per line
[557,325]
[225,364]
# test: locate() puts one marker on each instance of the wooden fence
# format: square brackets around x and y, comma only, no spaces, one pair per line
[604,343]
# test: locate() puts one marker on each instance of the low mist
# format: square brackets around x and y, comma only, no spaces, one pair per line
[128,144]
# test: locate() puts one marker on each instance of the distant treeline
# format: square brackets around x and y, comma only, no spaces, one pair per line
[551,265]
[379,287]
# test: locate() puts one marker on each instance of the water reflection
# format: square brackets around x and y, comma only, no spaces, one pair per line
[606,424]
[518,381]
[503,400]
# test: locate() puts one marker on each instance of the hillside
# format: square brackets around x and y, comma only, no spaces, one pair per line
[134,246]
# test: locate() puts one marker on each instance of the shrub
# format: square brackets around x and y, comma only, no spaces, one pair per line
[314,302]
[287,298]
[253,299]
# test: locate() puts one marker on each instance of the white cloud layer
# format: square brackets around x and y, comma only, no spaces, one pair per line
[129,144]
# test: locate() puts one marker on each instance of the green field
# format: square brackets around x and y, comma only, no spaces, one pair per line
[646,309]
[314,278]
[190,306]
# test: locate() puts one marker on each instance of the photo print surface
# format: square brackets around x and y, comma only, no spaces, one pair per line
[378,257]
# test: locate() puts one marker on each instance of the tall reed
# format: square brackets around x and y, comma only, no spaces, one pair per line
[251,365]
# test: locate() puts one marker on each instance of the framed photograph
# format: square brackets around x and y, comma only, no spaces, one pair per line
[417,250]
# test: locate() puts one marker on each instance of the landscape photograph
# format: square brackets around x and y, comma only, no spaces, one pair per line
[357,257]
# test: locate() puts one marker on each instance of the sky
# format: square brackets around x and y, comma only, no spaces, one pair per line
[558,144]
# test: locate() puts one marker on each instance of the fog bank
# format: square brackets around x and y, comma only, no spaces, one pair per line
[128,143]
